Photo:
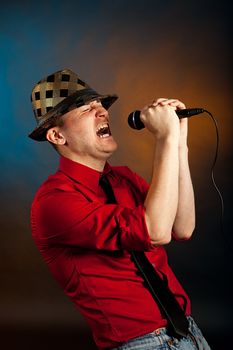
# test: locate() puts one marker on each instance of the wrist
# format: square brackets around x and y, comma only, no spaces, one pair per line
[172,135]
[168,141]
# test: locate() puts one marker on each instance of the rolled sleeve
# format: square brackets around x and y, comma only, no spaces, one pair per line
[62,218]
[134,234]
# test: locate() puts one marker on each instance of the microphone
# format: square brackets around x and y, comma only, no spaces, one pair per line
[135,122]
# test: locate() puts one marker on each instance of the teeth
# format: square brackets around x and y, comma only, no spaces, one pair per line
[103,136]
[103,130]
[103,126]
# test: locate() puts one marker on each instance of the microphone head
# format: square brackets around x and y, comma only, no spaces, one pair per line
[134,120]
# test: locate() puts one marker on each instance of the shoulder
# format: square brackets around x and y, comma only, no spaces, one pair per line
[57,182]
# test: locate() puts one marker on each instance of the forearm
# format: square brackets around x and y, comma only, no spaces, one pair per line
[162,199]
[184,222]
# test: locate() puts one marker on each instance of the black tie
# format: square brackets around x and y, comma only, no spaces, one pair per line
[158,287]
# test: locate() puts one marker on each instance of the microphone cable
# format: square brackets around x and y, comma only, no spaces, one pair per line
[213,177]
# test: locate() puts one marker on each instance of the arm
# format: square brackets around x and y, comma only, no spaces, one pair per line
[184,223]
[75,217]
[169,205]
[162,199]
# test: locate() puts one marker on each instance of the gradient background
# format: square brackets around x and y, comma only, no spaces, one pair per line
[140,50]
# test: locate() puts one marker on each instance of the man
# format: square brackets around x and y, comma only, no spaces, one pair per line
[87,240]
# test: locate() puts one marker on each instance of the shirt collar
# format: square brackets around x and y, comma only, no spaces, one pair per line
[84,174]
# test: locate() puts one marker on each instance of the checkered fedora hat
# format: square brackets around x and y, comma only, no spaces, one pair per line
[58,93]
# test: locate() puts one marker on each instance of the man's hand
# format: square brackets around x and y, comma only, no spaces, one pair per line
[160,118]
[183,121]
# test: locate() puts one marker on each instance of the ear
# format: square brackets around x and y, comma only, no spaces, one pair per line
[54,135]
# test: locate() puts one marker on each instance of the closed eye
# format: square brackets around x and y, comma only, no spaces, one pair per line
[86,110]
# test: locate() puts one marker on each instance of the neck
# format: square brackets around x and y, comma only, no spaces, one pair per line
[96,164]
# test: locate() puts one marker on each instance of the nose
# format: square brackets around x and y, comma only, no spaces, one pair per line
[100,110]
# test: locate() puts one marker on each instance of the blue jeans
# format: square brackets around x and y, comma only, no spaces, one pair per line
[160,340]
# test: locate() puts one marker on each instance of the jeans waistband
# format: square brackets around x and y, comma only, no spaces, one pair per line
[161,330]
[161,335]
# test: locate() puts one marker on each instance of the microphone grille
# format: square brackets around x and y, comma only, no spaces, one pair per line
[134,120]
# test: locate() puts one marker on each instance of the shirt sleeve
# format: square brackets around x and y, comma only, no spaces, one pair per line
[68,218]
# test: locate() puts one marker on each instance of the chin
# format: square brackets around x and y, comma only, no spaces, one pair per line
[110,150]
[115,146]
[111,143]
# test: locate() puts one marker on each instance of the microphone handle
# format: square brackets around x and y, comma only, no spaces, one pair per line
[135,122]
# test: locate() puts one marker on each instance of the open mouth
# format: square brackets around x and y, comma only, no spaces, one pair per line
[103,130]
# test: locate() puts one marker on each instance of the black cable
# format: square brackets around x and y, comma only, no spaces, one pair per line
[213,178]
[214,163]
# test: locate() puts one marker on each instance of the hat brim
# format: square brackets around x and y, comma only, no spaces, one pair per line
[79,98]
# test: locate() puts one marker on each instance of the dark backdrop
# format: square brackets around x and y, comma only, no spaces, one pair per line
[140,50]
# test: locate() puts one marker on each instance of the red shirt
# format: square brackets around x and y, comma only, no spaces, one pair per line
[85,243]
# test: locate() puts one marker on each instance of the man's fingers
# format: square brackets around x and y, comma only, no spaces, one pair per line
[173,102]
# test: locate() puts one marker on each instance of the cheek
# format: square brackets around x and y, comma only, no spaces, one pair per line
[79,133]
[73,129]
[80,139]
